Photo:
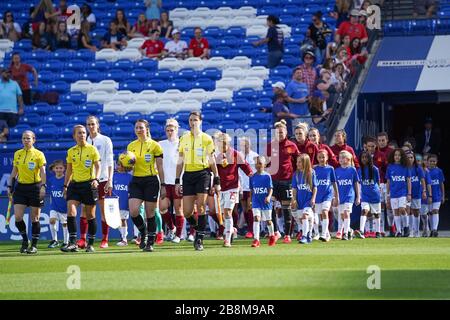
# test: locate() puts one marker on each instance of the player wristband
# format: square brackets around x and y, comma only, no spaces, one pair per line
[44,185]
[65,186]
[177,180]
[216,181]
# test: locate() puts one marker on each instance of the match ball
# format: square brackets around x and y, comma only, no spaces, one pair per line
[127,159]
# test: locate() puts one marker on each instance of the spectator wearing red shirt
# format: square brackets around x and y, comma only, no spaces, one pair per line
[141,28]
[308,71]
[154,47]
[353,28]
[340,138]
[199,46]
[304,145]
[19,73]
[62,11]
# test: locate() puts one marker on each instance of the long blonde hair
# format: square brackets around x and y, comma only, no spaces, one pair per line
[347,155]
[307,169]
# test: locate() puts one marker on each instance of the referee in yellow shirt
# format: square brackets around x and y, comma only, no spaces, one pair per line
[29,170]
[81,187]
[145,185]
[196,158]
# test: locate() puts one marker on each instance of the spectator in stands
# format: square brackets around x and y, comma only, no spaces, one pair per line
[199,46]
[9,29]
[429,140]
[346,43]
[363,18]
[325,85]
[88,15]
[342,58]
[19,73]
[319,111]
[298,96]
[45,38]
[317,32]
[338,77]
[328,64]
[153,48]
[63,40]
[84,37]
[308,71]
[141,28]
[365,5]
[353,28]
[165,26]
[114,39]
[11,103]
[153,12]
[275,42]
[279,108]
[358,54]
[331,50]
[340,11]
[427,7]
[62,11]
[123,26]
[176,48]
[43,13]
[27,27]
[4,131]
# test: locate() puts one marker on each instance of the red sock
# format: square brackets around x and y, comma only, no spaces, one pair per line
[292,226]
[105,230]
[221,230]
[191,229]
[179,221]
[83,227]
[249,220]
[167,217]
[235,217]
[330,220]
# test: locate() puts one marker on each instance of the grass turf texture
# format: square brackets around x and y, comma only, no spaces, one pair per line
[410,269]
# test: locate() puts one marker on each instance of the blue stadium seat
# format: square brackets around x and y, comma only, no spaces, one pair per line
[288,19]
[211,73]
[157,85]
[32,119]
[123,130]
[187,32]
[253,124]
[230,41]
[216,105]
[281,71]
[100,65]
[75,97]
[248,51]
[120,145]
[264,94]
[241,104]
[105,129]
[132,85]
[16,132]
[85,55]
[116,75]
[46,131]
[187,74]
[46,76]
[68,108]
[91,108]
[56,118]
[249,94]
[236,32]
[264,103]
[212,116]
[140,74]
[132,117]
[76,65]
[57,145]
[249,40]
[164,74]
[291,61]
[228,124]
[213,32]
[225,52]
[292,49]
[270,10]
[157,131]
[180,84]
[69,76]
[109,118]
[66,132]
[41,108]
[204,83]
[235,115]
[124,64]
[147,64]
[41,55]
[157,117]
[64,54]
[92,75]
[60,87]
[24,44]
[260,116]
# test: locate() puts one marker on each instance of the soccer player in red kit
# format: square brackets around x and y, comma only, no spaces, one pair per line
[314,137]
[340,139]
[283,155]
[304,145]
[229,161]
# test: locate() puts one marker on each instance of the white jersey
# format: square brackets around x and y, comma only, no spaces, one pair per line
[170,160]
[243,178]
[105,148]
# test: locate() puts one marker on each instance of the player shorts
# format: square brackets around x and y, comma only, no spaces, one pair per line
[298,214]
[196,182]
[82,192]
[415,204]
[383,192]
[435,206]
[424,209]
[28,195]
[374,208]
[282,190]
[264,214]
[277,204]
[229,198]
[61,217]
[348,206]
[124,214]
[171,194]
[144,188]
[326,205]
[101,190]
[397,203]
[246,195]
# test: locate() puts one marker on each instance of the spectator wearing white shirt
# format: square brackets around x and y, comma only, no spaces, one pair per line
[8,28]
[87,15]
[176,48]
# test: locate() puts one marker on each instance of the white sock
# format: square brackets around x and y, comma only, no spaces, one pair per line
[346,225]
[340,223]
[228,229]
[65,234]
[305,227]
[123,233]
[184,232]
[135,231]
[377,224]
[270,229]
[416,222]
[316,223]
[256,225]
[405,221]
[324,227]
[381,221]
[435,221]
[280,223]
[411,221]
[368,225]
[390,216]
[398,223]
[212,224]
[362,223]
[53,232]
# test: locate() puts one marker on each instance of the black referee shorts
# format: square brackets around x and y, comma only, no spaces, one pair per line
[28,195]
[144,188]
[82,192]
[282,190]
[196,182]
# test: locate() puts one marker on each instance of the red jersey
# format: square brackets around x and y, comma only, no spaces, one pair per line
[21,75]
[283,159]
[336,149]
[153,46]
[356,30]
[380,160]
[332,161]
[228,164]
[198,46]
[309,148]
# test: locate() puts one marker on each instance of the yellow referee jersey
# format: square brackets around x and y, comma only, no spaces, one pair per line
[82,160]
[195,151]
[28,163]
[146,153]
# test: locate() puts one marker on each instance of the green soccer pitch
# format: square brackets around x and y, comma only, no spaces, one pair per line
[409,269]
